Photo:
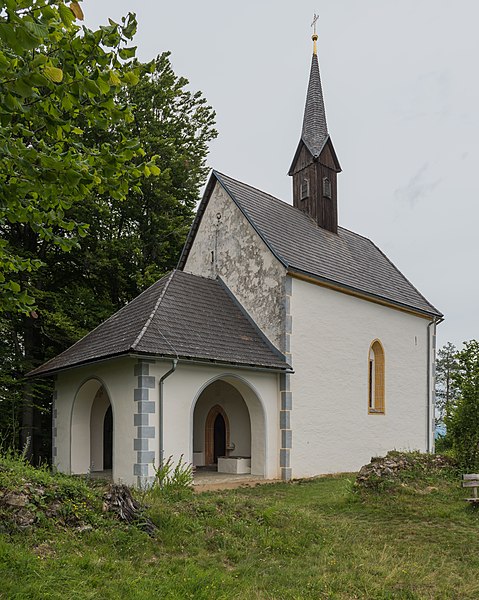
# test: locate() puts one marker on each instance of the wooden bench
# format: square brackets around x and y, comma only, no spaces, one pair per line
[471,480]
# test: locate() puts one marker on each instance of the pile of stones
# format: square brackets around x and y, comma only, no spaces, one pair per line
[22,506]
[29,503]
[395,464]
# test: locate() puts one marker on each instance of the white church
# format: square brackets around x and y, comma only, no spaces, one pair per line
[283,346]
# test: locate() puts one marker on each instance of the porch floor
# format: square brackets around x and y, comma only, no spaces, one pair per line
[106,475]
[206,480]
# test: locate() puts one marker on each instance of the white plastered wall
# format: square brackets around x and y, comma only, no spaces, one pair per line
[331,336]
[81,384]
[259,391]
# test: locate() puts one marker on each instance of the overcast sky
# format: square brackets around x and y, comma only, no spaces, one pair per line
[401,88]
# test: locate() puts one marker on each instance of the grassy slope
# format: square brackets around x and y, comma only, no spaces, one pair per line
[312,539]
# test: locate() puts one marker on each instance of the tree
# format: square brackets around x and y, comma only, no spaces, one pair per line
[130,244]
[463,422]
[176,126]
[55,87]
[59,91]
[446,388]
[127,242]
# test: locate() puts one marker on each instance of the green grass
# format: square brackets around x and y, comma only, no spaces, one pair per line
[310,539]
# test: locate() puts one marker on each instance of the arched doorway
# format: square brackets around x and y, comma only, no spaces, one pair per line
[108,440]
[219,438]
[92,430]
[229,421]
[217,435]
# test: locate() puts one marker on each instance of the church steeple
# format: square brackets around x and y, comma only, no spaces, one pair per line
[315,164]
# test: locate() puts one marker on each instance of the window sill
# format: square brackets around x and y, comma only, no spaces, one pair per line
[374,411]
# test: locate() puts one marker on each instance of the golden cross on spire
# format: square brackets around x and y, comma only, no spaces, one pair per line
[315,35]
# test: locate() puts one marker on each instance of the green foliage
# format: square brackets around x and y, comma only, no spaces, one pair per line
[446,387]
[463,422]
[443,445]
[56,88]
[50,499]
[124,149]
[173,480]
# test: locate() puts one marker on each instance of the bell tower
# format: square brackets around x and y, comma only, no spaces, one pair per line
[315,165]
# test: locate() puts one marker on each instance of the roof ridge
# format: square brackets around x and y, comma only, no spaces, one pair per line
[365,237]
[316,153]
[188,274]
[296,210]
[153,312]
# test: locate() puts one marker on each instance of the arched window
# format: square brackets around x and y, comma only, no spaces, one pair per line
[327,193]
[376,378]
[304,189]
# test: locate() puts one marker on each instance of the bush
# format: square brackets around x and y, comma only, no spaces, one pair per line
[463,423]
[170,479]
[443,444]
[31,496]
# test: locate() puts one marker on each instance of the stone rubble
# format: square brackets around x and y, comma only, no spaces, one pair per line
[391,466]
[24,506]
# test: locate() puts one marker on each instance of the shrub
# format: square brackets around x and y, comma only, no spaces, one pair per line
[170,478]
[463,423]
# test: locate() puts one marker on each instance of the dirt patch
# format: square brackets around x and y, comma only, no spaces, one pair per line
[230,485]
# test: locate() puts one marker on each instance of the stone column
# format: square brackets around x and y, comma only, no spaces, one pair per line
[144,442]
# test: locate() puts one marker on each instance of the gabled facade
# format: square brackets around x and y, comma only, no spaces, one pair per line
[284,345]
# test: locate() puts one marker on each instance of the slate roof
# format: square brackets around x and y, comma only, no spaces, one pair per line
[314,134]
[181,315]
[345,259]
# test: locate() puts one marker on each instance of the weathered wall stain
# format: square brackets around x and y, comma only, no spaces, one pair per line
[230,248]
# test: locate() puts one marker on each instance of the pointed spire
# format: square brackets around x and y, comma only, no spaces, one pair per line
[315,128]
[315,165]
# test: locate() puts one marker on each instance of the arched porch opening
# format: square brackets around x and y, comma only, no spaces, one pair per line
[229,428]
[92,430]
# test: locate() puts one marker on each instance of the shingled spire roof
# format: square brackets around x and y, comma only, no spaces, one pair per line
[315,128]
[314,134]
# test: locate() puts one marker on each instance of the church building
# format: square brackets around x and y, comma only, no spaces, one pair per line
[282,346]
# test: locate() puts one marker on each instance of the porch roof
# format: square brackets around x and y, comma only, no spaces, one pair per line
[182,316]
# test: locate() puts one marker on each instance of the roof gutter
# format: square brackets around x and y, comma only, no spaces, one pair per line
[205,361]
[174,364]
[430,404]
[212,363]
